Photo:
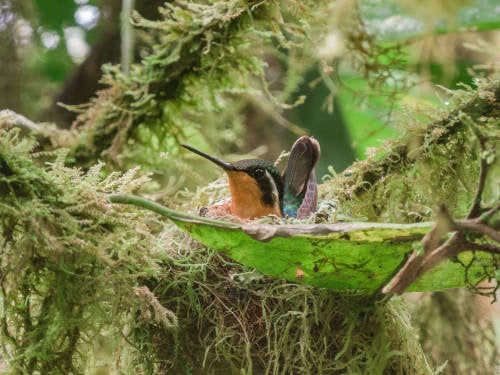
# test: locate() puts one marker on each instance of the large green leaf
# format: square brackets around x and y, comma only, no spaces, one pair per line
[356,256]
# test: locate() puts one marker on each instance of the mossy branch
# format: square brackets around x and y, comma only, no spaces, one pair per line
[479,220]
[45,133]
[485,103]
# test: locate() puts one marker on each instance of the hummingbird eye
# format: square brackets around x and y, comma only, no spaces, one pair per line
[258,172]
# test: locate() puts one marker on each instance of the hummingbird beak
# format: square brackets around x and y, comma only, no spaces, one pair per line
[224,165]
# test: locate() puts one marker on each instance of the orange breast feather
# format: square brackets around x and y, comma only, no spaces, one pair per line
[247,197]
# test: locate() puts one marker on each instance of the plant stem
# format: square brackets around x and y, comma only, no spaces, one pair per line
[127,36]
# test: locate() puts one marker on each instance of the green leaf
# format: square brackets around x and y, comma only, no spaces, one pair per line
[341,256]
[364,116]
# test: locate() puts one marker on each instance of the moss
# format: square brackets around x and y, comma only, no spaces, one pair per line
[197,67]
[66,259]
[235,320]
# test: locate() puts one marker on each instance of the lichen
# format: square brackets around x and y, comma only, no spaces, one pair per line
[235,320]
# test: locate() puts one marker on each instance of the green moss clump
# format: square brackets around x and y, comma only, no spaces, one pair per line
[70,263]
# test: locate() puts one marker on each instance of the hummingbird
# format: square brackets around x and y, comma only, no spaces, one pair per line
[258,188]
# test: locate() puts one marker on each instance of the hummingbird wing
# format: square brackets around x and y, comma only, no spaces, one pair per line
[299,177]
[308,205]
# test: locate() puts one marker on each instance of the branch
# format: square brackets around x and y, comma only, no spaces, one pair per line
[46,134]
[475,226]
[433,252]
[11,118]
[486,247]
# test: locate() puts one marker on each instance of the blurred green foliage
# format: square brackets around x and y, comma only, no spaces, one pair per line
[395,21]
[54,16]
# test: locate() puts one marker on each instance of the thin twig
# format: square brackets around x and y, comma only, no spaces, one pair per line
[488,214]
[476,226]
[268,110]
[408,272]
[487,247]
[418,264]
[434,253]
[449,249]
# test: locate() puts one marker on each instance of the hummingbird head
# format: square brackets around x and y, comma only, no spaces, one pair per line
[256,186]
